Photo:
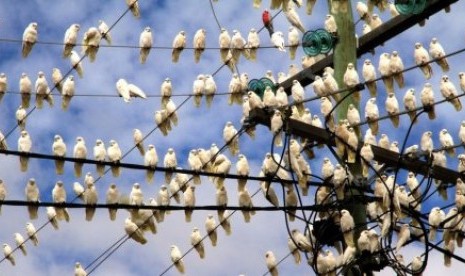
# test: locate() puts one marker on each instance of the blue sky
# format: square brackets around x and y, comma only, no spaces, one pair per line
[106,117]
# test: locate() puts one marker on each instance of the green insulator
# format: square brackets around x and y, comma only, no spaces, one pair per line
[419,6]
[327,40]
[257,86]
[405,7]
[311,43]
[267,82]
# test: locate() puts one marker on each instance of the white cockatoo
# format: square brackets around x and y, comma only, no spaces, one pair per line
[170,162]
[20,243]
[112,197]
[133,6]
[375,21]
[70,39]
[114,155]
[67,92]
[231,138]
[76,63]
[235,89]
[176,258]
[397,67]
[100,154]
[410,103]
[271,263]
[197,242]
[59,151]
[422,59]
[150,160]
[104,31]
[199,44]
[24,145]
[253,43]
[210,226]
[276,127]
[447,142]
[21,115]
[29,38]
[42,89]
[25,89]
[242,168]
[403,236]
[32,195]
[367,156]
[59,196]
[449,92]
[385,71]
[351,78]
[195,164]
[198,89]
[8,252]
[145,44]
[3,85]
[189,202]
[330,24]
[179,43]
[32,233]
[209,89]
[277,39]
[435,218]
[392,108]
[138,139]
[293,17]
[293,41]
[79,270]
[369,75]
[427,100]
[90,43]
[245,202]
[437,52]
[236,46]
[372,115]
[224,41]
[90,199]
[134,232]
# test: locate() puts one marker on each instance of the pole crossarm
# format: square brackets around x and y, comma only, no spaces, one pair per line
[384,156]
[370,41]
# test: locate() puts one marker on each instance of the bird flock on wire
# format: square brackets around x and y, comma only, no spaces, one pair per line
[386,213]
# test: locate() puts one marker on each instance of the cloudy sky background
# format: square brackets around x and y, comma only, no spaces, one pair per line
[108,117]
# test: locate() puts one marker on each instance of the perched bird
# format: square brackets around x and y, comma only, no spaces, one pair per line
[189,202]
[449,92]
[271,263]
[133,6]
[78,189]
[70,39]
[198,89]
[32,233]
[3,85]
[59,196]
[235,89]
[369,75]
[170,162]
[224,41]
[176,258]
[25,89]
[385,71]
[150,160]
[397,67]
[293,17]
[80,152]
[29,38]
[197,242]
[291,201]
[210,226]
[427,100]
[57,79]
[24,145]
[21,115]
[237,46]
[330,24]
[3,193]
[162,121]
[134,232]
[294,250]
[67,92]
[76,63]
[375,21]
[253,42]
[242,168]
[32,195]
[437,52]
[104,31]
[114,155]
[90,199]
[410,104]
[195,164]
[179,43]
[221,200]
[138,138]
[417,263]
[403,236]
[267,22]
[435,218]
[231,138]
[347,227]
[447,142]
[209,89]
[90,43]
[59,151]
[221,166]
[20,243]
[199,44]
[112,197]
[277,128]
[79,270]
[42,90]
[277,38]
[245,201]
[392,108]
[145,44]
[422,59]
[8,252]
[372,115]
[100,154]
[351,79]
[293,41]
